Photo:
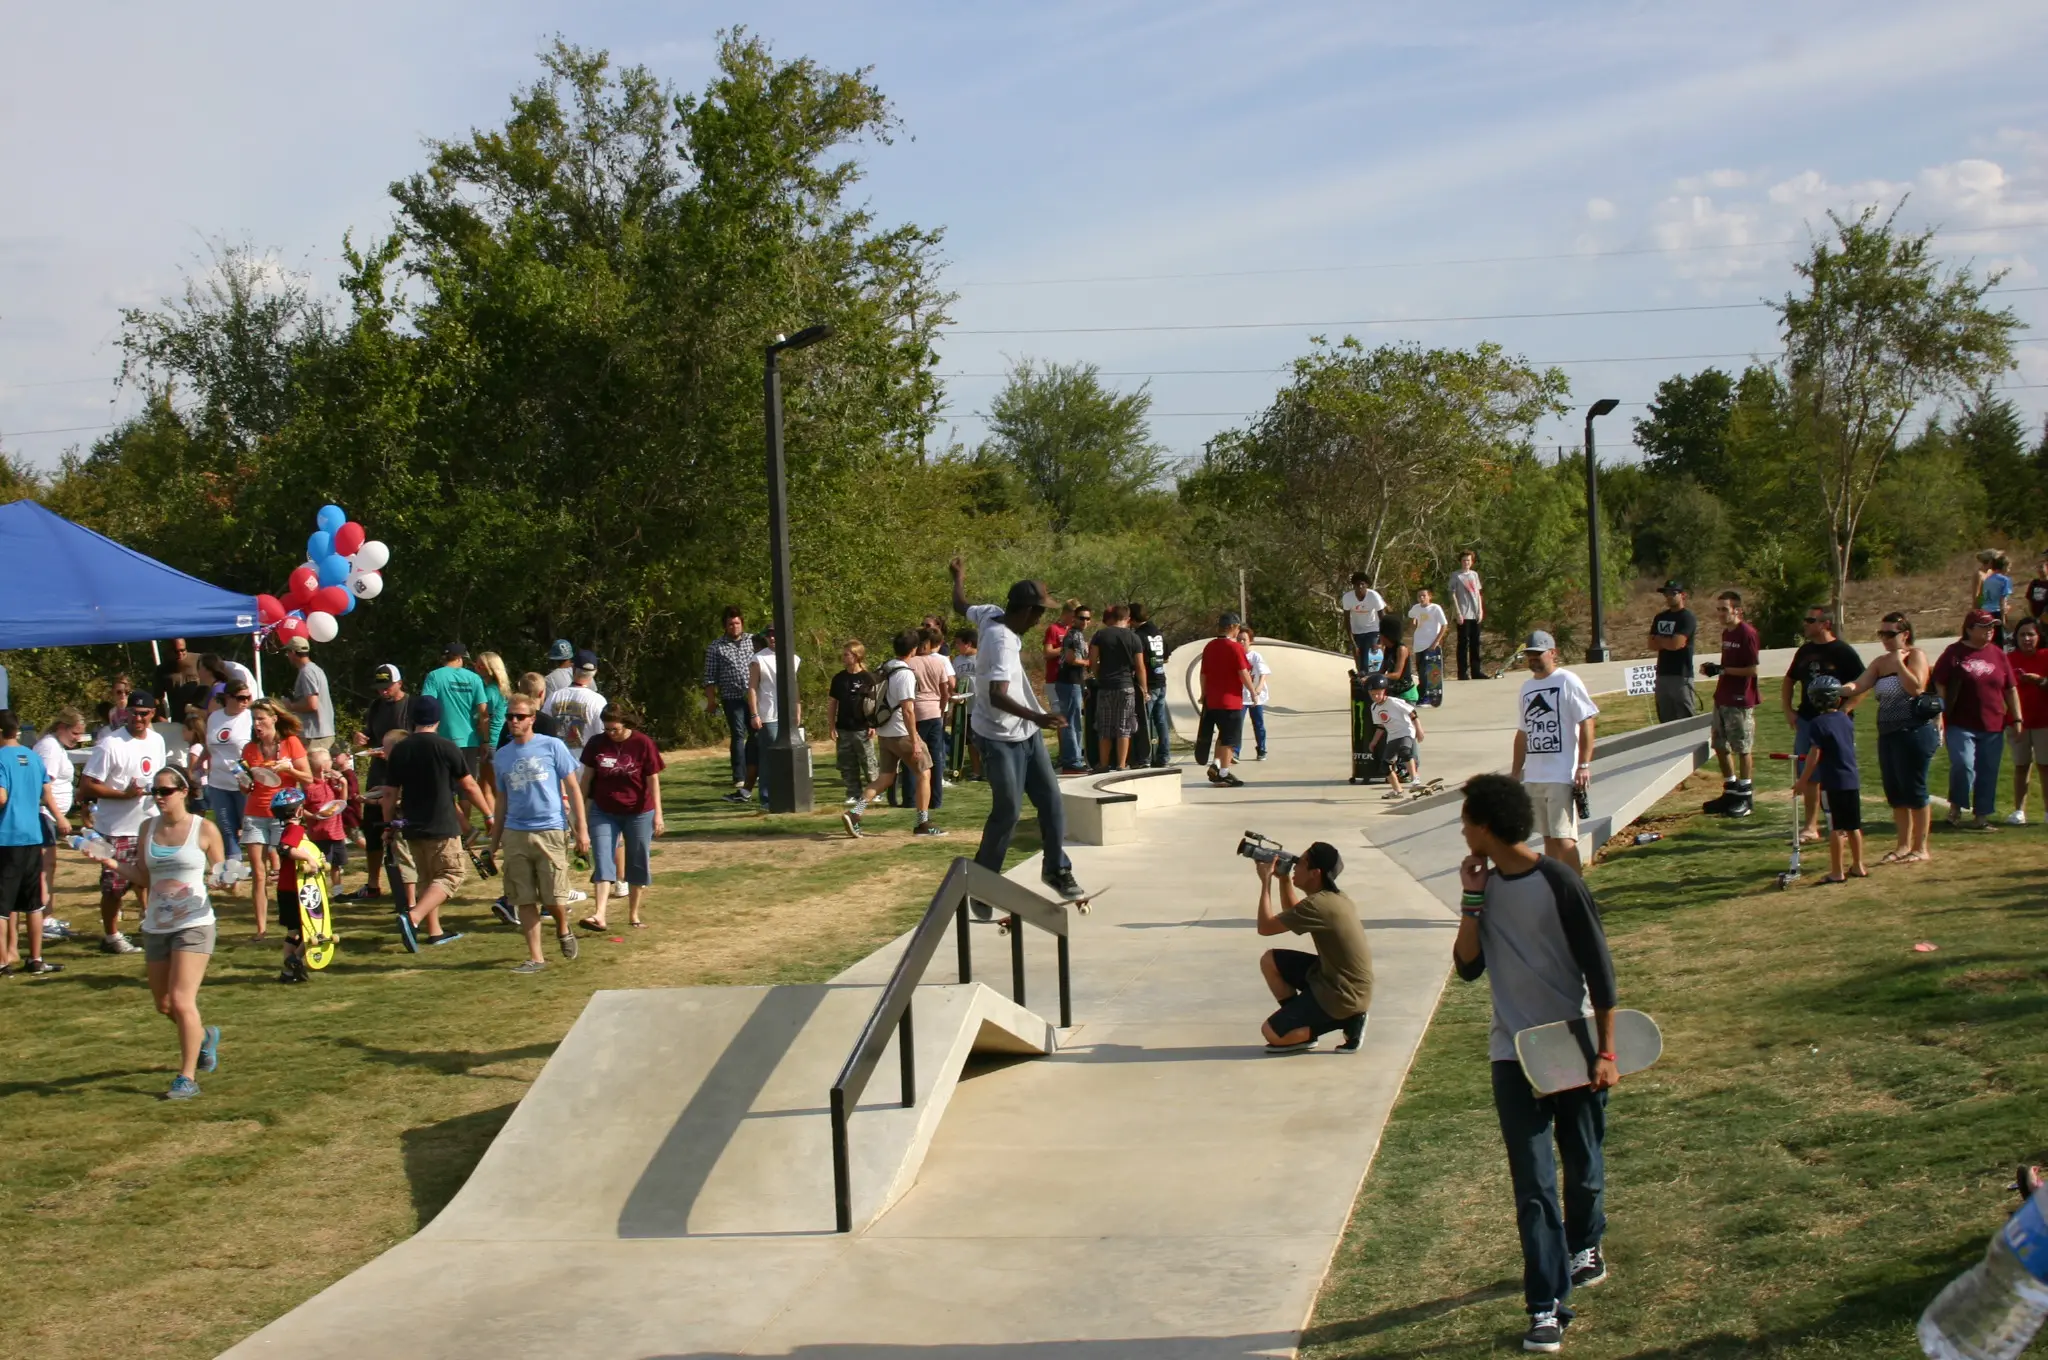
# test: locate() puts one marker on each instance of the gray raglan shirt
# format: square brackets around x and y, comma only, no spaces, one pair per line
[1544,953]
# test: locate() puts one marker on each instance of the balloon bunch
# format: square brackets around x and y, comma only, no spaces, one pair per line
[343,564]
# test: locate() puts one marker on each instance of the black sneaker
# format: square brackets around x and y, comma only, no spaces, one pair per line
[1546,1332]
[445,937]
[851,821]
[1354,1035]
[1589,1267]
[1230,780]
[1281,1050]
[738,795]
[1065,884]
[38,967]
[928,829]
[1215,775]
[407,934]
[506,912]
[1740,807]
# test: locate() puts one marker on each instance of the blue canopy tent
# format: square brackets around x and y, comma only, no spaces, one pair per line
[62,585]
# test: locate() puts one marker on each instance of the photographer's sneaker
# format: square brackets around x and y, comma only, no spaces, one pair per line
[1589,1268]
[1278,1050]
[1546,1332]
[1354,1035]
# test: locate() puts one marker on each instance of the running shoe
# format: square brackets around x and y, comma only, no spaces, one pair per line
[445,937]
[506,912]
[116,943]
[182,1088]
[209,1049]
[568,944]
[1546,1332]
[1589,1267]
[407,933]
[39,967]
[851,821]
[928,829]
[2017,817]
[532,966]
[1065,884]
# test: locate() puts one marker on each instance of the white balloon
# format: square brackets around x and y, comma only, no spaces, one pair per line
[321,627]
[371,556]
[365,585]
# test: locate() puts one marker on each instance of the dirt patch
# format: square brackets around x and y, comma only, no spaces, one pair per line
[1994,981]
[124,1176]
[782,850]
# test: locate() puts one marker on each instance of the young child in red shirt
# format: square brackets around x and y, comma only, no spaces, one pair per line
[328,833]
[295,853]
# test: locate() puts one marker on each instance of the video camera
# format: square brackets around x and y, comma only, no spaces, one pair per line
[1260,849]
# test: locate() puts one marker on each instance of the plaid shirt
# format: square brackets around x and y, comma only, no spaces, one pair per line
[726,662]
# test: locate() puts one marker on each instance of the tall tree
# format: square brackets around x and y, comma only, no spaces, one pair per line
[1084,453]
[1993,442]
[1880,330]
[1687,427]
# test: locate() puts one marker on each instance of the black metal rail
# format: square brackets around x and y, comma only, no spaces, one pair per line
[965,882]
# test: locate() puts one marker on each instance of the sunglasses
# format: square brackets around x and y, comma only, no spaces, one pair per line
[240,698]
[1887,632]
[518,717]
[166,791]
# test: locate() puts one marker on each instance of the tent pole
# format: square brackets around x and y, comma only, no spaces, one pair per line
[256,651]
[154,654]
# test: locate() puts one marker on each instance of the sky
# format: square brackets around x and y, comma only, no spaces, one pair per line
[1181,193]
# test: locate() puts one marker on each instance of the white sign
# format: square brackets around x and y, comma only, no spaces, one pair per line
[1642,679]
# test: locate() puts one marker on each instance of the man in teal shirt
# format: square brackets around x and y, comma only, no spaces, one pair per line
[465,717]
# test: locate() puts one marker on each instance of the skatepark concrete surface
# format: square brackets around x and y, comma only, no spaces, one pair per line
[1155,1186]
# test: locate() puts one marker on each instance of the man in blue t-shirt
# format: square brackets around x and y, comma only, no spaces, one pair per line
[539,802]
[25,795]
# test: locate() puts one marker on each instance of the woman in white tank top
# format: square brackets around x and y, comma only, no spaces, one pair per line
[177,858]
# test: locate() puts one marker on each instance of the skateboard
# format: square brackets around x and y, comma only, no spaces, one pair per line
[1430,669]
[1560,1056]
[1366,765]
[1426,788]
[1001,920]
[316,935]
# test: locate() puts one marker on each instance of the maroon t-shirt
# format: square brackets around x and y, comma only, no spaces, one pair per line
[619,771]
[1223,667]
[1740,646]
[1978,678]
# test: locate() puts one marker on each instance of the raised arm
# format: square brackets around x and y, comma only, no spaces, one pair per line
[958,567]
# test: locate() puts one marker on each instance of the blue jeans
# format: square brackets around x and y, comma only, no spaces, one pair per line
[1578,1120]
[1017,770]
[1973,760]
[1162,728]
[606,829]
[741,737]
[1257,713]
[1067,702]
[763,738]
[932,732]
[226,806]
[1902,760]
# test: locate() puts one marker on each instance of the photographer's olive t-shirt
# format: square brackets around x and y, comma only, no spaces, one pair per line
[1341,981]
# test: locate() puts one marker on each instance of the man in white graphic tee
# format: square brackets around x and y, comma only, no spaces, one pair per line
[1554,746]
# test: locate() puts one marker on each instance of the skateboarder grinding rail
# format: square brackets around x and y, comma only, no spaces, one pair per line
[1530,917]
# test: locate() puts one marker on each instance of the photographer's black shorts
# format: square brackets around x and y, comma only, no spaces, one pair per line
[1301,1009]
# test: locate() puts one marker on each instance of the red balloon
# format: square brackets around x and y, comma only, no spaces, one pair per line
[331,600]
[348,538]
[303,581]
[297,600]
[269,609]
[290,627]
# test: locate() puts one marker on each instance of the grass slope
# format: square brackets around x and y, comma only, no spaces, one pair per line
[347,1112]
[1825,1142]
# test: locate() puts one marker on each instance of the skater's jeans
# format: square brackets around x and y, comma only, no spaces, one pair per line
[742,739]
[1257,713]
[1017,770]
[1068,702]
[1973,760]
[1469,666]
[1155,716]
[1578,1119]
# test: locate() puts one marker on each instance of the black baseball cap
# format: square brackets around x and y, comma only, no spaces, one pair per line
[1323,855]
[1674,586]
[454,649]
[142,698]
[1028,595]
[426,710]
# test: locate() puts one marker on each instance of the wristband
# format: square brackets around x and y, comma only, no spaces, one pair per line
[1609,1057]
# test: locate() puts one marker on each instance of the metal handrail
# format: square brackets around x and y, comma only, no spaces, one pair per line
[965,882]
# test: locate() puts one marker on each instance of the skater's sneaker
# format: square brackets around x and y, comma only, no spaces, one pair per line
[209,1049]
[182,1088]
[568,945]
[40,967]
[506,912]
[1065,884]
[928,829]
[289,973]
[117,943]
[532,966]
[851,821]
[1546,1332]
[1718,807]
[2017,817]
[1354,1035]
[408,935]
[1230,780]
[445,937]
[1215,774]
[1589,1268]
[1741,807]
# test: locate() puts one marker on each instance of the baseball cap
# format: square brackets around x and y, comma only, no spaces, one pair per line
[454,649]
[386,674]
[587,659]
[1027,595]
[141,698]
[586,668]
[1228,620]
[426,709]
[1540,641]
[562,650]
[298,644]
[1976,618]
[1674,586]
[1323,855]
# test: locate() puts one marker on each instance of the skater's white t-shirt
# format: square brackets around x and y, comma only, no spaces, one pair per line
[1363,610]
[1429,624]
[1552,708]
[1396,715]
[1001,658]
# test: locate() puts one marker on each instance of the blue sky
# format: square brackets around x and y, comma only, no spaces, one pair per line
[1211,167]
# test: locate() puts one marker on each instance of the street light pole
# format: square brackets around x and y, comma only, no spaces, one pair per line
[786,761]
[1597,650]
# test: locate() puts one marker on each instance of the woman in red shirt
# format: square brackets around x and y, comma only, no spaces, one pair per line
[2029,741]
[275,758]
[622,787]
[1976,685]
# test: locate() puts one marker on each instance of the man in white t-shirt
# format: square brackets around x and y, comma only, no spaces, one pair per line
[764,707]
[1554,746]
[227,733]
[1258,693]
[1468,599]
[117,776]
[1427,626]
[1362,606]
[1008,725]
[578,710]
[900,741]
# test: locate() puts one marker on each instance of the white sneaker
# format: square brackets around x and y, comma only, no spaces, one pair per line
[578,895]
[2017,817]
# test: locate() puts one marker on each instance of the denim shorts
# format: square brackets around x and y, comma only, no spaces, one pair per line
[260,831]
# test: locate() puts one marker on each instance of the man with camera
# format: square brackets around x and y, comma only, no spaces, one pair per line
[1530,925]
[1330,989]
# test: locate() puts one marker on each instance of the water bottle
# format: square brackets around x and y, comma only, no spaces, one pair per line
[92,845]
[1992,1310]
[1646,837]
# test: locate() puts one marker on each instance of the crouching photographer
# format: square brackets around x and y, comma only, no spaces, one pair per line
[1330,989]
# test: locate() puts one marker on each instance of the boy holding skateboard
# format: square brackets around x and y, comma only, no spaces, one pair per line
[1531,926]
[1426,637]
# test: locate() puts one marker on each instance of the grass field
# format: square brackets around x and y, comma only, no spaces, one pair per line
[346,1112]
[1825,1142]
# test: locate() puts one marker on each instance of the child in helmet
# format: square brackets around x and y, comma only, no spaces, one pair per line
[1831,767]
[296,853]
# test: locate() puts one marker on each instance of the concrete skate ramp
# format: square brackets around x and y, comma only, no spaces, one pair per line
[1304,680]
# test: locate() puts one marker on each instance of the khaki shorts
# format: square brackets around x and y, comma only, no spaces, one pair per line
[1557,815]
[905,751]
[2029,747]
[1734,730]
[402,867]
[158,946]
[316,743]
[440,861]
[536,868]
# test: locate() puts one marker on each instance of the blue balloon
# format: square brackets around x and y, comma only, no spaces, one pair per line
[334,570]
[330,518]
[350,607]
[319,544]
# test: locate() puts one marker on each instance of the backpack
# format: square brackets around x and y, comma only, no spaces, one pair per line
[874,705]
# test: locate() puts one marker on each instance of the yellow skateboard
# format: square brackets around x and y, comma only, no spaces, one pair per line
[316,911]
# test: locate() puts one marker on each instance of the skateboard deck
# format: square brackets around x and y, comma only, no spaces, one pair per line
[1001,920]
[1560,1057]
[317,914]
[1426,788]
[1430,668]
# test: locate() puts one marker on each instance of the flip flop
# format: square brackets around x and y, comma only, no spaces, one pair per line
[1892,857]
[639,925]
[1860,873]
[1826,879]
[592,923]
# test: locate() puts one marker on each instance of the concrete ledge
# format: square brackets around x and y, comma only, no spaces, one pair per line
[1102,809]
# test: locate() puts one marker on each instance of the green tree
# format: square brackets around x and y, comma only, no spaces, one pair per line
[1687,427]
[1082,452]
[1993,444]
[1879,331]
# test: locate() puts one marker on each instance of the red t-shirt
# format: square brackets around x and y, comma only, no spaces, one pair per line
[1055,634]
[1979,678]
[287,867]
[1740,646]
[1223,665]
[619,771]
[318,794]
[2033,698]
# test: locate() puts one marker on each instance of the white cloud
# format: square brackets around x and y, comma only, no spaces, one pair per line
[1599,210]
